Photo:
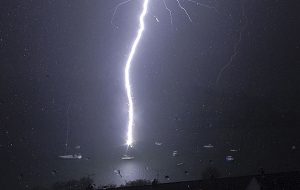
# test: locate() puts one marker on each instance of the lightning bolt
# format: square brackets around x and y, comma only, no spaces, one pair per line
[186,13]
[236,45]
[127,74]
[130,140]
[204,5]
[115,11]
[170,12]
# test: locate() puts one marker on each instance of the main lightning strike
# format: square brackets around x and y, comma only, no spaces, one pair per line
[127,74]
[129,140]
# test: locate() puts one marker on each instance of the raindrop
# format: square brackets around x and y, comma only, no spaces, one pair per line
[126,157]
[229,158]
[21,176]
[70,156]
[208,146]
[54,172]
[118,172]
[77,147]
[175,153]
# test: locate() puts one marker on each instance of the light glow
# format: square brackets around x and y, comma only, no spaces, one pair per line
[129,141]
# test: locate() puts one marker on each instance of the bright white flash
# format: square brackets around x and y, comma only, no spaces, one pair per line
[127,75]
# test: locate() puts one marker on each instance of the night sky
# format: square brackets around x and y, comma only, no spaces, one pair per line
[229,79]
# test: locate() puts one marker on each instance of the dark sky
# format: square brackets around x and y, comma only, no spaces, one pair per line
[229,78]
